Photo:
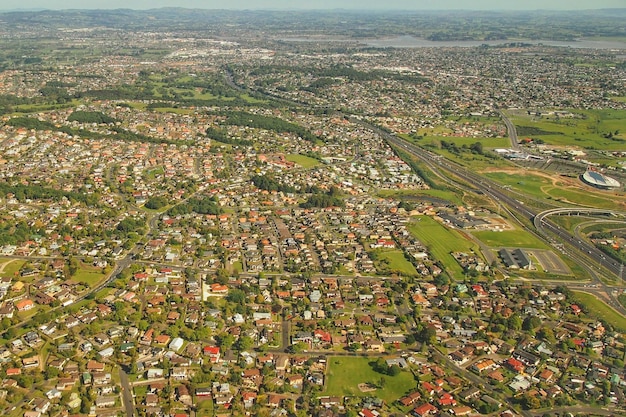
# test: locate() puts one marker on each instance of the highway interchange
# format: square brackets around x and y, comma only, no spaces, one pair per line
[457,176]
[590,258]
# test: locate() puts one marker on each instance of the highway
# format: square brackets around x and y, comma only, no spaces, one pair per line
[584,253]
[543,225]
[446,170]
[510,127]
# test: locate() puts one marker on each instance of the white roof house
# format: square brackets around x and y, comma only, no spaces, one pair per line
[176,344]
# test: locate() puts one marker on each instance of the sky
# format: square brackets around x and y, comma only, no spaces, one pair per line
[318,4]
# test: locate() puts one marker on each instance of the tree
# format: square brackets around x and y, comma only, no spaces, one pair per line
[547,334]
[531,323]
[380,366]
[236,296]
[51,372]
[298,347]
[427,335]
[244,343]
[157,202]
[530,402]
[85,406]
[477,147]
[394,370]
[225,341]
[90,117]
[514,322]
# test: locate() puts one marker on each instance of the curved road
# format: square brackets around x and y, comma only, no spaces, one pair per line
[510,128]
[580,251]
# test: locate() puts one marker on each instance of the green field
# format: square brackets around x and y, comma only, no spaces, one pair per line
[137,105]
[398,263]
[419,195]
[530,184]
[33,108]
[166,88]
[89,276]
[302,160]
[152,174]
[600,310]
[488,143]
[509,238]
[346,373]
[441,241]
[466,156]
[588,199]
[173,110]
[569,222]
[11,267]
[541,187]
[587,130]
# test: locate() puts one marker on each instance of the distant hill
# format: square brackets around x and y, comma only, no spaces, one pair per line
[436,25]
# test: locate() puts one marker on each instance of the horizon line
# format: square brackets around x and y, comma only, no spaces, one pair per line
[350,9]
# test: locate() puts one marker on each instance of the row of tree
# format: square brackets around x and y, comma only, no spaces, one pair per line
[90,117]
[241,118]
[221,135]
[199,205]
[23,192]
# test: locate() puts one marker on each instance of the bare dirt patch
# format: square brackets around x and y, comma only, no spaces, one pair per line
[367,387]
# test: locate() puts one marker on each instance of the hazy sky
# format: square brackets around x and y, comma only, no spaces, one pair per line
[317,4]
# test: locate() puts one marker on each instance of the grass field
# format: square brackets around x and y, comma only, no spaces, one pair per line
[600,310]
[152,174]
[541,187]
[441,241]
[398,263]
[33,108]
[302,160]
[588,199]
[588,129]
[89,276]
[418,195]
[466,157]
[569,222]
[509,238]
[137,105]
[173,110]
[346,373]
[487,143]
[593,225]
[530,184]
[11,267]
